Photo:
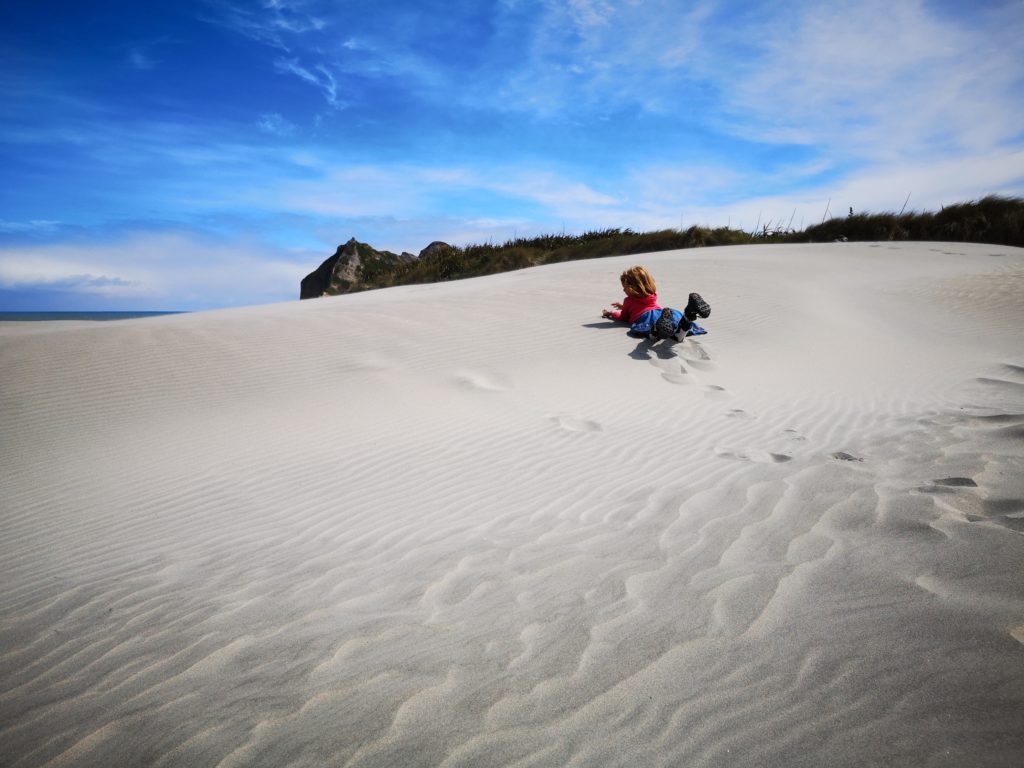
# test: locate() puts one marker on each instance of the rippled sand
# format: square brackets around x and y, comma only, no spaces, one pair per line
[473,524]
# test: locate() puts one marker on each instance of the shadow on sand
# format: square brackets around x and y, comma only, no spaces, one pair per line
[664,348]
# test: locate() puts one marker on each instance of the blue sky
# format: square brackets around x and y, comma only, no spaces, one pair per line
[208,153]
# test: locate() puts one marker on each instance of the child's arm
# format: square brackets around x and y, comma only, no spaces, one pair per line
[610,315]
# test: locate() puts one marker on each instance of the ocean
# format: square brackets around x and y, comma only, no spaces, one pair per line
[36,316]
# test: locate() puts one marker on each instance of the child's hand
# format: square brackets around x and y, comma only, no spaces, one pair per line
[607,313]
[617,305]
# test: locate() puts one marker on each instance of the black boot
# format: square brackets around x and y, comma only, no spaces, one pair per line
[696,307]
[665,328]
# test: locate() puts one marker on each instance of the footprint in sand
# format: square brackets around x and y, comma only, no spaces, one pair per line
[1007,512]
[672,370]
[739,413]
[760,457]
[698,357]
[716,392]
[1008,386]
[480,381]
[701,365]
[677,378]
[844,456]
[696,349]
[670,364]
[668,356]
[960,482]
[571,423]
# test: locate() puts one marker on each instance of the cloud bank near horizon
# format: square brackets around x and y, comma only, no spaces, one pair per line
[272,131]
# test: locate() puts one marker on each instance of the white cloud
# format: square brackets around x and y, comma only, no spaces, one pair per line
[874,189]
[858,81]
[161,270]
[318,75]
[878,81]
[139,59]
[587,56]
[590,13]
[276,125]
[559,193]
[897,99]
[35,225]
[416,190]
[290,27]
[352,44]
[274,23]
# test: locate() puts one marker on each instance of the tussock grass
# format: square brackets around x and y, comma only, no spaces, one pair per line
[455,262]
[993,219]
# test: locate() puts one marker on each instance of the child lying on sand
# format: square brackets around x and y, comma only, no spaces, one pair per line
[646,318]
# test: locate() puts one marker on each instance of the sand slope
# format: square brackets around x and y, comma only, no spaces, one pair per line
[474,524]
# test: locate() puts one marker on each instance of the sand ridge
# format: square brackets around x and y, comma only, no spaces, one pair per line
[474,524]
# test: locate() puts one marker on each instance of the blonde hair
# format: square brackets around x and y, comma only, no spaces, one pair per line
[636,281]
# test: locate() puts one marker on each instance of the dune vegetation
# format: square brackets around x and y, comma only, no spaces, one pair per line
[993,219]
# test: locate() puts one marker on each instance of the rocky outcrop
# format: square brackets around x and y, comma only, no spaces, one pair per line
[436,248]
[352,266]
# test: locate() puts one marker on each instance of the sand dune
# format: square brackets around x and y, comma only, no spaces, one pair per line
[474,524]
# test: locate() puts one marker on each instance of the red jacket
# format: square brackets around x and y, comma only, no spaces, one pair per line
[634,306]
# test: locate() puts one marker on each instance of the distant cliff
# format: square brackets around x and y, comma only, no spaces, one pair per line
[354,266]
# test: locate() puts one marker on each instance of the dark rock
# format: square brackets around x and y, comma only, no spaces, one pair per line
[315,283]
[351,268]
[434,249]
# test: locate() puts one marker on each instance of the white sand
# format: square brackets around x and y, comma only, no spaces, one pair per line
[473,524]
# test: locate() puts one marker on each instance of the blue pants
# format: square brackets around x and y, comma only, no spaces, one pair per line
[644,324]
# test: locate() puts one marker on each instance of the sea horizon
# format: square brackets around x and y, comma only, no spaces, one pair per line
[82,315]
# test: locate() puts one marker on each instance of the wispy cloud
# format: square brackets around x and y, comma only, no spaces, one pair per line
[882,82]
[142,54]
[317,75]
[57,267]
[602,56]
[139,59]
[276,125]
[272,22]
[36,225]
[590,13]
[872,188]
[410,191]
[292,28]
[159,270]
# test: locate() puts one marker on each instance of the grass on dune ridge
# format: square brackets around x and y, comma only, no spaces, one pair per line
[993,219]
